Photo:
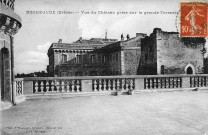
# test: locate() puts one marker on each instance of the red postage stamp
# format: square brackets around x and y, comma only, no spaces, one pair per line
[193,19]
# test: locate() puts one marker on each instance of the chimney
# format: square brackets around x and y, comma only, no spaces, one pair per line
[60,41]
[80,39]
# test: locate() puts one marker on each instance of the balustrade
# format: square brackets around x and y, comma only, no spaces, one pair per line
[198,81]
[110,84]
[113,84]
[42,86]
[19,88]
[162,82]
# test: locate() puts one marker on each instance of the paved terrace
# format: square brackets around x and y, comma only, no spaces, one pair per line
[184,113]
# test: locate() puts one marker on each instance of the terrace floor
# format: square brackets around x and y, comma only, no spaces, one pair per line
[165,113]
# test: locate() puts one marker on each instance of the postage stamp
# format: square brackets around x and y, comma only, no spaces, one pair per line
[193,19]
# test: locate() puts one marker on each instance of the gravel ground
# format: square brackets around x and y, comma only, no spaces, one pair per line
[167,113]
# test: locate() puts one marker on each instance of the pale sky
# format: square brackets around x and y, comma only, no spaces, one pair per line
[39,31]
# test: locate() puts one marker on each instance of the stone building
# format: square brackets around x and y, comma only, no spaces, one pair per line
[160,53]
[95,57]
[10,23]
[167,53]
[65,58]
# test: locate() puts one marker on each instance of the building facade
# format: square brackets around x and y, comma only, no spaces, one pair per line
[160,53]
[10,23]
[167,53]
[95,57]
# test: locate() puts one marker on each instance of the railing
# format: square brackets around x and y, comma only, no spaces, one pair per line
[19,87]
[41,86]
[38,85]
[162,82]
[198,81]
[123,84]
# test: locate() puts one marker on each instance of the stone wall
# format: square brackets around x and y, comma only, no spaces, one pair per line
[131,58]
[167,53]
[176,53]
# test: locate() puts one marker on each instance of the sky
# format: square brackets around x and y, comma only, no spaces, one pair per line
[38,31]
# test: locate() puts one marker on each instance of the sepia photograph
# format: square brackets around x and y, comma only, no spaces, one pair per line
[104,67]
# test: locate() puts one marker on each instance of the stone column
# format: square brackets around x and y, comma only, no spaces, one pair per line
[122,61]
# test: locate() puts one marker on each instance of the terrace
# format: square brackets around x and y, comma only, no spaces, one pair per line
[142,106]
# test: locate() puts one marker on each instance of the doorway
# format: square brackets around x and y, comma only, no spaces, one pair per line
[5,72]
[189,70]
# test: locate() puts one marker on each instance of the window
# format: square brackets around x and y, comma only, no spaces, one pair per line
[110,58]
[162,69]
[63,73]
[64,58]
[113,57]
[93,59]
[116,56]
[104,58]
[79,58]
[93,73]
[79,73]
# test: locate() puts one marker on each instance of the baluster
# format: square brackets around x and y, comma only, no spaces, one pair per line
[36,86]
[95,85]
[104,85]
[165,79]
[126,84]
[191,81]
[73,85]
[204,81]
[173,82]
[161,83]
[117,84]
[194,82]
[108,84]
[62,86]
[198,81]
[21,87]
[100,85]
[47,86]
[177,82]
[132,84]
[78,85]
[150,83]
[52,86]
[122,84]
[57,86]
[67,86]
[41,86]
[114,84]
[168,82]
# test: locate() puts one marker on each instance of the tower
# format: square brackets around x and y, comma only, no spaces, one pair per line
[10,23]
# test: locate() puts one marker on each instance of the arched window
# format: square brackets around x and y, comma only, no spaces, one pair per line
[189,70]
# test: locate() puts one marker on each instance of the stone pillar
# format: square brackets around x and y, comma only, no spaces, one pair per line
[122,62]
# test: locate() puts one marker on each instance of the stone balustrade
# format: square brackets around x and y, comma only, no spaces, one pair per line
[8,3]
[57,85]
[40,85]
[19,87]
[110,84]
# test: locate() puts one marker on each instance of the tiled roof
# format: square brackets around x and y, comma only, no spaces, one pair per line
[84,41]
